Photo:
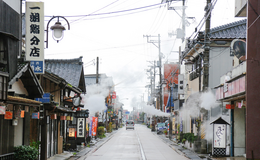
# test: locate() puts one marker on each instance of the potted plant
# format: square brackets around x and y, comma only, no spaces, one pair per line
[165,132]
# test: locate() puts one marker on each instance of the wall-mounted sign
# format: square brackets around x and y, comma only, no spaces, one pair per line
[114,95]
[22,113]
[9,115]
[35,115]
[71,132]
[80,127]
[62,118]
[35,35]
[54,116]
[2,110]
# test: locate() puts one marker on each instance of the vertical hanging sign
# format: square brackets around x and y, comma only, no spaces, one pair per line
[80,127]
[35,36]
[94,126]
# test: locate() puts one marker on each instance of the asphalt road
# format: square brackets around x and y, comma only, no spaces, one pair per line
[137,144]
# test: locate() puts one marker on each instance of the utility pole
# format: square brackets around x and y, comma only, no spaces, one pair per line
[207,47]
[97,70]
[183,20]
[160,61]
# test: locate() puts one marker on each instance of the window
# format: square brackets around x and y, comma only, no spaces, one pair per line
[3,53]
[61,128]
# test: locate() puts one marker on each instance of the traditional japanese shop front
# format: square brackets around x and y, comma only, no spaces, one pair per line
[233,96]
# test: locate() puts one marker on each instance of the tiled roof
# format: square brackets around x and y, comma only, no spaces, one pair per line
[29,80]
[68,69]
[230,31]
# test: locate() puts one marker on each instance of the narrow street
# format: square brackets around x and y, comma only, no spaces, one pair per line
[137,144]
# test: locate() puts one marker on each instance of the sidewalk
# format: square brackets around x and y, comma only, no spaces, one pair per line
[191,154]
[82,150]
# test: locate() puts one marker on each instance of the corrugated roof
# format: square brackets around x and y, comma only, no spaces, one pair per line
[234,30]
[68,69]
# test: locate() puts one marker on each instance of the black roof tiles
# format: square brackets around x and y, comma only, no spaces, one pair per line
[68,69]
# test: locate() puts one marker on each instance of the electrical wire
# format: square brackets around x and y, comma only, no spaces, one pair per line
[203,20]
[95,11]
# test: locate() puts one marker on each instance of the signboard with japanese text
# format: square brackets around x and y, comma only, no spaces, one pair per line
[8,115]
[114,95]
[71,132]
[219,136]
[94,126]
[35,35]
[80,127]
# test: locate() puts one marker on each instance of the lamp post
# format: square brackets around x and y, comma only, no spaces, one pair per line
[170,85]
[57,29]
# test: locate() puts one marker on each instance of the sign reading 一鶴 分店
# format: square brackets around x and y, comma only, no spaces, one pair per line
[35,36]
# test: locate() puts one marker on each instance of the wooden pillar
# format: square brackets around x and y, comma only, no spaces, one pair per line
[252,80]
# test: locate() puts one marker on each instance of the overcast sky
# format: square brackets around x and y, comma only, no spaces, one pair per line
[116,37]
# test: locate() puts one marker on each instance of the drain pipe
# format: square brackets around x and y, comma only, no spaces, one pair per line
[232,131]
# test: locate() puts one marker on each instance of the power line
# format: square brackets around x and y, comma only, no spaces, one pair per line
[114,12]
[96,11]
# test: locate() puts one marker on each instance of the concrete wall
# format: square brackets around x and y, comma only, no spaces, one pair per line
[18,88]
[240,8]
[18,133]
[239,131]
[220,63]
[14,4]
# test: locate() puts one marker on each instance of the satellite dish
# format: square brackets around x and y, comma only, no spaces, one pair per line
[239,48]
[76,101]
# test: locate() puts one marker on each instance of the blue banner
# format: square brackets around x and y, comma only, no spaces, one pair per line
[90,127]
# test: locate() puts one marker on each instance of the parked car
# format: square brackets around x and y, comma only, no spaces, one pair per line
[160,127]
[130,124]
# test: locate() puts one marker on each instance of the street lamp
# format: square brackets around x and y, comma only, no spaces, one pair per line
[57,29]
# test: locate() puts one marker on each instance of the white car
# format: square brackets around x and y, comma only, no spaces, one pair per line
[130,124]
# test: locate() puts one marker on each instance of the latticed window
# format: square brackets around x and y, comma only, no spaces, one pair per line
[3,85]
[3,53]
[3,68]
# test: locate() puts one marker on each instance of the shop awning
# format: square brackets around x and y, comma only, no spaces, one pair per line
[22,101]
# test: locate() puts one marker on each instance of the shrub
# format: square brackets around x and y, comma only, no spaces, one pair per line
[101,132]
[25,152]
[183,140]
[109,127]
[190,137]
[35,144]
